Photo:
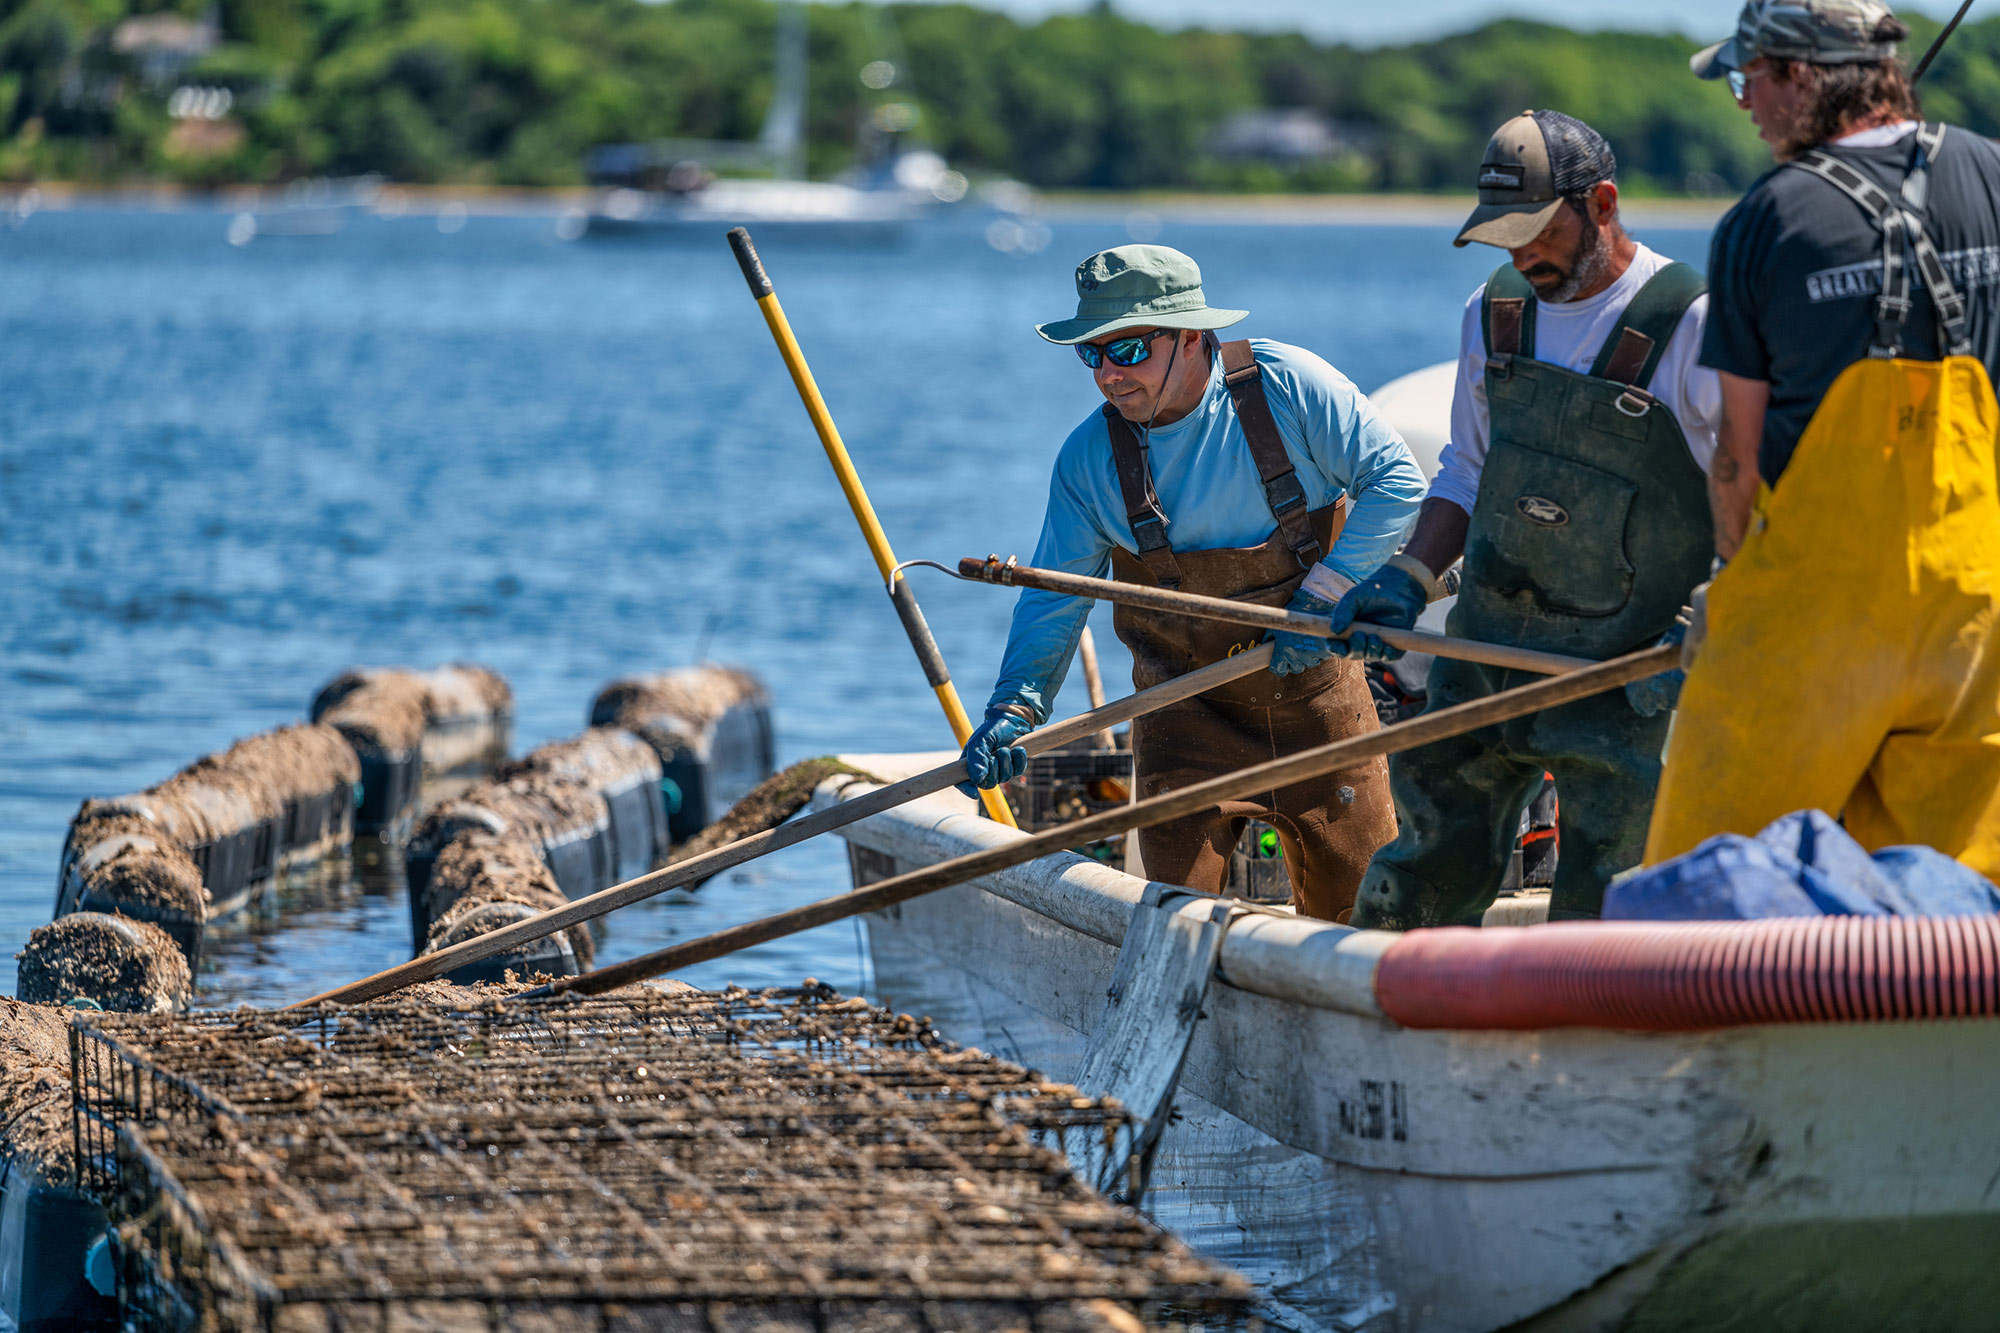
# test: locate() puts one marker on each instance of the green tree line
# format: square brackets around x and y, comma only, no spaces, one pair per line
[518,92]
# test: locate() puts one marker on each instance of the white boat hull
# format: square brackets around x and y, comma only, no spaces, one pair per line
[1371,1176]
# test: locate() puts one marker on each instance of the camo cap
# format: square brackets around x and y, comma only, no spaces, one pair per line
[1530,164]
[1818,32]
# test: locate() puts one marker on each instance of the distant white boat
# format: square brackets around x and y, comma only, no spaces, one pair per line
[663,189]
[825,209]
[316,207]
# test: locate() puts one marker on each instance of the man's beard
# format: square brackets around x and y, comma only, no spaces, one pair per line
[1586,266]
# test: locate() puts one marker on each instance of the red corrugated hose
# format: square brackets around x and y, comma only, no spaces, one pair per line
[1677,976]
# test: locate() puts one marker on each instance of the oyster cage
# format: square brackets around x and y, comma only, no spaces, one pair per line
[652,1159]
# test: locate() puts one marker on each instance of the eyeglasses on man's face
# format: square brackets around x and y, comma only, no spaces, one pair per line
[1121,351]
[1741,79]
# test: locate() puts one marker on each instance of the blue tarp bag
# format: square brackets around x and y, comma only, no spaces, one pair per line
[1804,864]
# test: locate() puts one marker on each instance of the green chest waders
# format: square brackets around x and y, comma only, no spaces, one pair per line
[1591,528]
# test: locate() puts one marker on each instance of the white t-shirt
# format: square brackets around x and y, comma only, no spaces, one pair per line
[1570,335]
[1879,137]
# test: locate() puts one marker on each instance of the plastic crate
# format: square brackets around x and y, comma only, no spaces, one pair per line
[1070,783]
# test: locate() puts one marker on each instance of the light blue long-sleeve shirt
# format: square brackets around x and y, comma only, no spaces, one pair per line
[1211,493]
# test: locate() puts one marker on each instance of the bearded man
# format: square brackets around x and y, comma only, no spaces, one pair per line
[1574,486]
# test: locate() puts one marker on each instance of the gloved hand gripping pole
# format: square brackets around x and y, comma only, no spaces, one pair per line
[914,625]
[1013,574]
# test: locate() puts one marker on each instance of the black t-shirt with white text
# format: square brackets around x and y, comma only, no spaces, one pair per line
[1794,269]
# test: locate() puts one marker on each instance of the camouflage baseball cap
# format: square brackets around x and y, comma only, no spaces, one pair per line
[1530,164]
[1819,32]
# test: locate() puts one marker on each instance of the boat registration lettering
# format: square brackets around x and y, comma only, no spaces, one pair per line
[1380,1112]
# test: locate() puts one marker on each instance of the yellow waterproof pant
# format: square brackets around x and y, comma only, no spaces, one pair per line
[1853,655]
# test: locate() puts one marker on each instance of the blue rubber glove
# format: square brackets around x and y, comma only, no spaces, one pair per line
[1390,596]
[1300,652]
[1656,694]
[991,757]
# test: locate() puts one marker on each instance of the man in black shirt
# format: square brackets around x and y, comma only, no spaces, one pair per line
[1852,654]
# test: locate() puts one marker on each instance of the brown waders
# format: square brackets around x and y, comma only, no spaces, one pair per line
[1328,827]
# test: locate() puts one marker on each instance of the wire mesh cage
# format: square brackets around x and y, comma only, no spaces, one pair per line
[649,1159]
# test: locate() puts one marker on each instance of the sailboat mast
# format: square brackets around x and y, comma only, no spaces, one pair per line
[784,134]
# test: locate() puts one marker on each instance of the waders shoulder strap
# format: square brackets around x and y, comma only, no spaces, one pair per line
[1632,350]
[1507,314]
[1142,502]
[1895,218]
[1282,491]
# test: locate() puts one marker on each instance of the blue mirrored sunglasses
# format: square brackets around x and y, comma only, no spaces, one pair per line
[1121,351]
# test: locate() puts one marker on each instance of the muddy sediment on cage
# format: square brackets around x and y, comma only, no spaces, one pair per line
[605,758]
[480,883]
[782,1159]
[442,994]
[124,965]
[262,774]
[416,728]
[567,822]
[381,711]
[35,1127]
[221,795]
[129,868]
[769,804]
[670,711]
[465,690]
[532,806]
[459,692]
[393,707]
[549,957]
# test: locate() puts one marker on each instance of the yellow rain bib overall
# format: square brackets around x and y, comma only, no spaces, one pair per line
[1853,655]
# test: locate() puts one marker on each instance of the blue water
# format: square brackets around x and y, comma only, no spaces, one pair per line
[228,473]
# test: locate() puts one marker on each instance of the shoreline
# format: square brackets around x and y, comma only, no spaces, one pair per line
[1372,210]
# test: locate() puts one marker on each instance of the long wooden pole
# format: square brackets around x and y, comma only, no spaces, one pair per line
[1301,767]
[914,625]
[424,967]
[1093,682]
[1007,573]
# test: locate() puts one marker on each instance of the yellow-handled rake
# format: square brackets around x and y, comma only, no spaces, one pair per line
[905,601]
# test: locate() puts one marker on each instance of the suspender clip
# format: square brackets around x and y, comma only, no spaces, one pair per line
[1284,494]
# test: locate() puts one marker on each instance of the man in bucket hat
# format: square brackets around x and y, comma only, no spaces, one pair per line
[1251,470]
[1852,654]
[1573,488]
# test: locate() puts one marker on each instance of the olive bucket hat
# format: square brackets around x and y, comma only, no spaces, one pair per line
[1133,285]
